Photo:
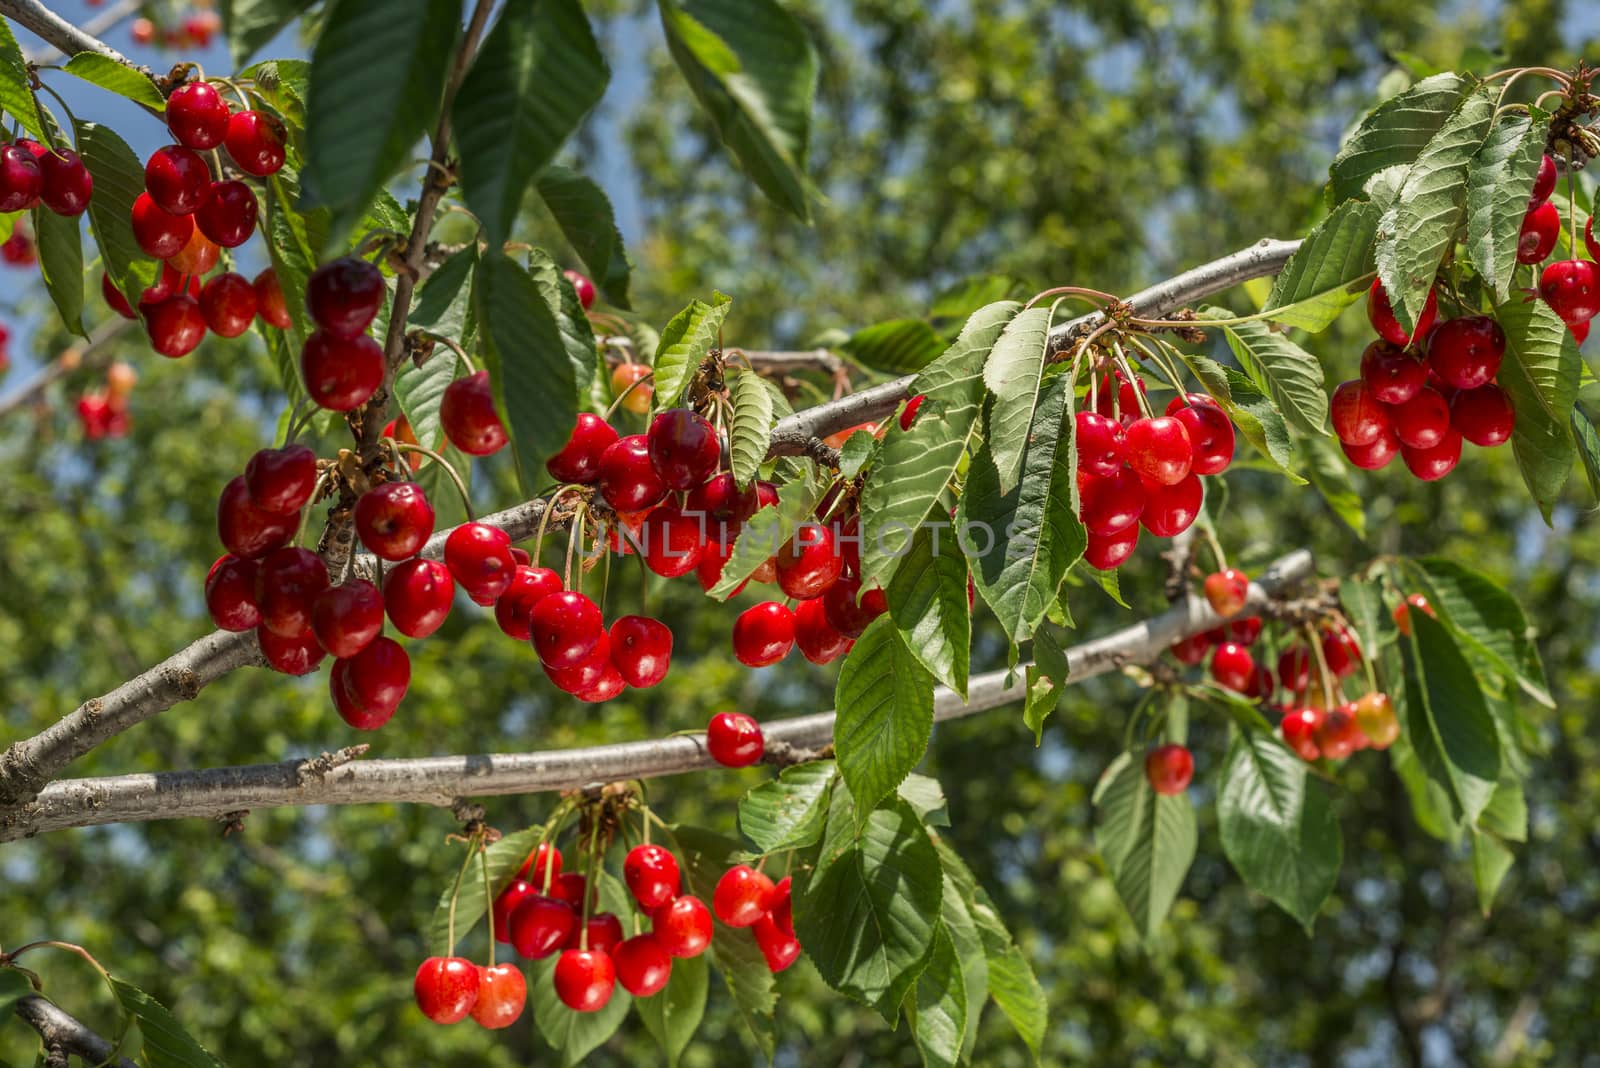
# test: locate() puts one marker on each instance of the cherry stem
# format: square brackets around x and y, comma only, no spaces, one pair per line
[1572,203]
[588,882]
[454,346]
[1215,546]
[649,376]
[461,487]
[1322,665]
[552,828]
[1090,296]
[1127,369]
[544,519]
[299,418]
[574,535]
[488,897]
[455,892]
[1165,367]
[237,90]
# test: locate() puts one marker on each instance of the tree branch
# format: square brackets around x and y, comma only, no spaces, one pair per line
[96,27]
[57,1030]
[441,780]
[101,340]
[779,362]
[61,34]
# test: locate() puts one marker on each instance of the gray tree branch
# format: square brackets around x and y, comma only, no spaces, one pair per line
[58,1030]
[59,33]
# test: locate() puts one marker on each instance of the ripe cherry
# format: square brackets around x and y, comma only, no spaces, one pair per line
[742,897]
[734,740]
[1226,590]
[1375,455]
[1544,183]
[1243,631]
[1434,463]
[779,948]
[566,628]
[287,581]
[783,906]
[479,558]
[682,926]
[417,594]
[545,859]
[817,638]
[652,875]
[579,459]
[197,115]
[1381,315]
[848,611]
[175,325]
[643,967]
[1191,650]
[582,287]
[609,685]
[1572,289]
[1579,331]
[1466,352]
[394,520]
[346,618]
[641,650]
[571,887]
[1232,666]
[270,304]
[341,374]
[159,233]
[1159,450]
[603,933]
[1540,228]
[809,562]
[281,480]
[1111,503]
[1171,510]
[505,903]
[1104,552]
[502,994]
[683,448]
[1375,716]
[1299,729]
[67,186]
[1392,374]
[628,480]
[541,925]
[1358,417]
[374,682]
[247,531]
[227,215]
[586,673]
[1294,668]
[1339,734]
[1484,416]
[1342,652]
[469,418]
[176,179]
[514,609]
[1422,421]
[584,979]
[637,399]
[113,296]
[343,295]
[142,30]
[908,414]
[228,304]
[671,541]
[763,634]
[231,593]
[20,179]
[1102,443]
[446,988]
[1210,432]
[1402,611]
[198,255]
[255,140]
[298,655]
[1169,768]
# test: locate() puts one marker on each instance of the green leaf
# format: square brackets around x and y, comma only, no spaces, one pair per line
[1280,368]
[118,181]
[537,75]
[1324,463]
[377,75]
[1491,860]
[856,453]
[532,376]
[574,1035]
[250,24]
[117,78]
[926,798]
[788,812]
[60,244]
[16,96]
[582,210]
[1487,618]
[1251,410]
[444,303]
[1541,443]
[868,913]
[504,857]
[1447,721]
[1547,353]
[1507,814]
[1498,186]
[1046,676]
[753,68]
[1023,542]
[685,341]
[14,986]
[1146,838]
[1417,231]
[751,427]
[577,335]
[672,1015]
[952,305]
[166,1043]
[1011,374]
[884,710]
[928,602]
[939,1006]
[914,465]
[1587,438]
[899,346]
[1395,132]
[766,532]
[1329,271]
[1277,827]
[955,916]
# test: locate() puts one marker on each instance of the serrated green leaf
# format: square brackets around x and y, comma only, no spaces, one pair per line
[537,75]
[673,1015]
[1507,813]
[764,533]
[165,1043]
[59,241]
[1147,840]
[1487,618]
[444,303]
[955,916]
[117,78]
[1498,186]
[751,427]
[250,24]
[16,95]
[1046,676]
[899,346]
[1394,133]
[1011,374]
[926,798]
[574,1035]
[753,68]
[1587,438]
[1447,722]
[1491,860]
[577,335]
[504,858]
[1542,445]
[928,602]
[788,812]
[953,304]
[856,453]
[938,1006]
[884,715]
[1280,368]
[1252,411]
[1329,271]
[583,211]
[1277,827]
[1541,344]
[118,181]
[1331,475]
[685,341]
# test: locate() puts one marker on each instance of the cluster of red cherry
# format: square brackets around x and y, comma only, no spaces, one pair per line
[186,216]
[1570,287]
[32,174]
[103,413]
[198,27]
[18,250]
[1307,685]
[1139,469]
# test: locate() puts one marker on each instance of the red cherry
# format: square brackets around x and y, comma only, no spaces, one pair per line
[175,326]
[446,988]
[1232,666]
[1590,241]
[643,967]
[779,949]
[1466,352]
[1104,552]
[582,287]
[713,558]
[742,897]
[1210,432]
[670,541]
[529,585]
[228,213]
[417,595]
[1242,631]
[541,925]
[343,296]
[584,979]
[468,416]
[683,448]
[1540,228]
[247,531]
[1375,716]
[1159,449]
[228,304]
[725,506]
[1422,421]
[819,642]
[346,618]
[231,593]
[1381,315]
[848,615]
[1227,590]
[809,562]
[1263,684]
[571,887]
[1191,650]
[1342,652]
[506,902]
[341,373]
[1294,668]
[143,31]
[763,634]
[1392,374]
[1484,416]
[603,931]
[270,304]
[1111,503]
[159,233]
[566,628]
[1299,729]
[1544,183]
[298,655]
[113,296]
[1358,417]
[1169,769]
[479,558]
[20,179]
[502,994]
[255,140]
[198,255]
[176,180]
[641,650]
[1579,331]
[1339,734]
[1171,510]
[394,520]
[287,581]
[535,865]
[1572,289]
[1101,444]
[783,907]
[628,480]
[908,414]
[682,926]
[734,740]
[281,480]
[579,459]
[1434,463]
[1376,455]
[652,875]
[1402,611]
[67,186]
[588,672]
[374,682]
[197,115]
